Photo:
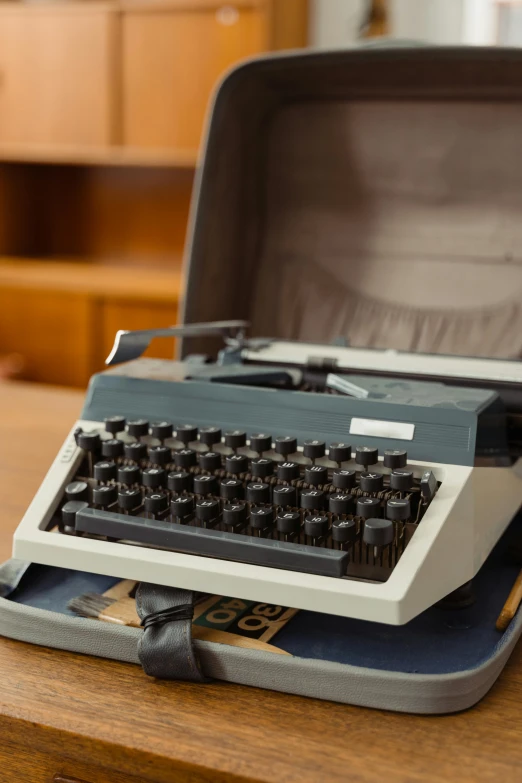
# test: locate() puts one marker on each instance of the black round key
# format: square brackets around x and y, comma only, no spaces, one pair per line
[262,467]
[186,433]
[340,452]
[366,455]
[161,430]
[114,424]
[378,532]
[185,458]
[288,471]
[112,448]
[258,493]
[105,496]
[235,439]
[314,449]
[205,485]
[210,461]
[401,480]
[285,445]
[371,482]
[129,474]
[344,531]
[88,441]
[236,464]
[341,504]
[180,481]
[207,510]
[313,499]
[154,477]
[288,522]
[316,526]
[156,503]
[261,518]
[69,512]
[210,435]
[105,470]
[234,515]
[160,455]
[316,475]
[129,499]
[368,507]
[398,509]
[135,451]
[395,458]
[77,490]
[231,489]
[260,442]
[138,428]
[344,479]
[285,496]
[182,507]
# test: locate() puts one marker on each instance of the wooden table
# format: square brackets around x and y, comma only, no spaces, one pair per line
[65,716]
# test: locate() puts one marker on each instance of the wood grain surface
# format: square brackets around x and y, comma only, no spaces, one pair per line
[87,714]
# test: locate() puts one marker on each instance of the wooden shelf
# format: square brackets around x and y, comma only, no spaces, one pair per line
[99,156]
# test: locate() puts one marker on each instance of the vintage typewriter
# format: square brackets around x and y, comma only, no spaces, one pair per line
[363,483]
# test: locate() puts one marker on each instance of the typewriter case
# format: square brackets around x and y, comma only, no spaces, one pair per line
[372,195]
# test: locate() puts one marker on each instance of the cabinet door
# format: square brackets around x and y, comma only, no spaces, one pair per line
[57,68]
[172,59]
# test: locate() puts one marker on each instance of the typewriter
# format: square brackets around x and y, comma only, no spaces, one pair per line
[363,483]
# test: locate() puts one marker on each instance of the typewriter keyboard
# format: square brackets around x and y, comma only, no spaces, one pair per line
[326,509]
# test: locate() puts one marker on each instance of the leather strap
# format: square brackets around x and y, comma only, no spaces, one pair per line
[165,647]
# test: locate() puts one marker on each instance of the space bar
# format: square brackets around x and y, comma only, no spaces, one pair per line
[213,543]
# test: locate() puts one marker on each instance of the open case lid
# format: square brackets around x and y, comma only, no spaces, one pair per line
[373,194]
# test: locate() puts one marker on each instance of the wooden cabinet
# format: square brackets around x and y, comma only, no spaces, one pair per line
[57,74]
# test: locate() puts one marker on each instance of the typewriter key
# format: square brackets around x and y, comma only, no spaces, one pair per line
[161,430]
[105,471]
[260,442]
[344,531]
[129,474]
[180,481]
[210,461]
[339,452]
[135,451]
[428,485]
[398,509]
[105,496]
[316,526]
[156,503]
[314,449]
[186,433]
[344,479]
[288,523]
[210,436]
[313,499]
[395,458]
[236,464]
[366,455]
[114,424]
[234,516]
[262,467]
[340,504]
[208,511]
[288,471]
[261,518]
[205,485]
[138,428]
[371,482]
[285,496]
[231,489]
[258,493]
[112,448]
[182,507]
[235,439]
[88,441]
[160,455]
[129,499]
[401,480]
[316,475]
[77,490]
[368,507]
[377,533]
[153,477]
[185,458]
[69,512]
[285,445]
